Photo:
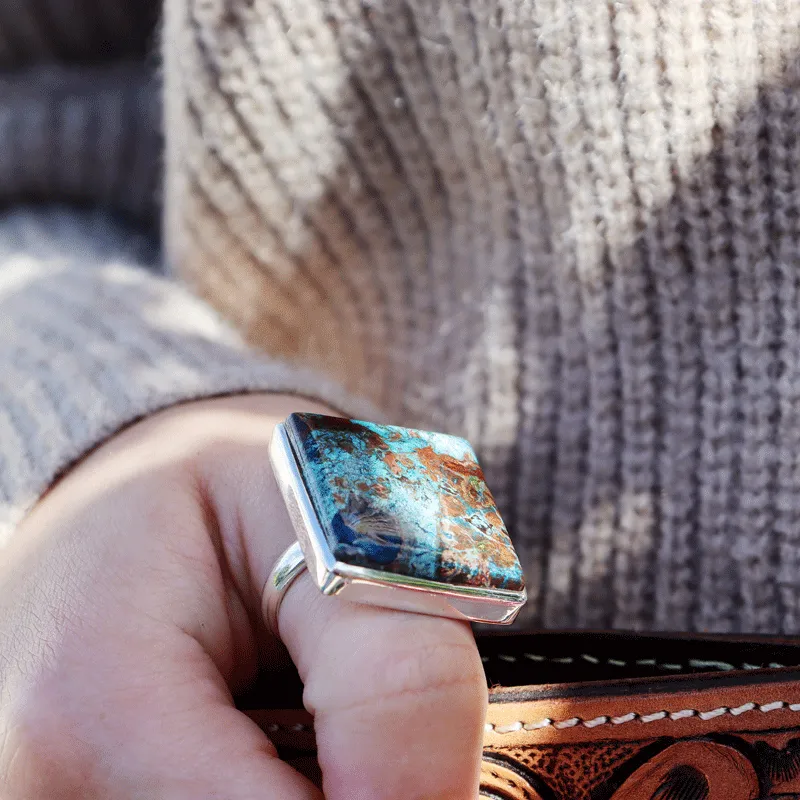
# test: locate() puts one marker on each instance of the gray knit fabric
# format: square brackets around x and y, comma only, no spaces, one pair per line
[91,337]
[91,341]
[82,134]
[567,229]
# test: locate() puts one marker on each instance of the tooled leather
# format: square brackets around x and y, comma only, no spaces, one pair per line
[650,748]
[683,770]
[723,735]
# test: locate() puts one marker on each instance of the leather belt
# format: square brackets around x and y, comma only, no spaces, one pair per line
[615,716]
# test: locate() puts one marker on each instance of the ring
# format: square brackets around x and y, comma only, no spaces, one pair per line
[392,517]
[286,569]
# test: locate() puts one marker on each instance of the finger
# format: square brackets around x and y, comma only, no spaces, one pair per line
[202,747]
[398,699]
[165,727]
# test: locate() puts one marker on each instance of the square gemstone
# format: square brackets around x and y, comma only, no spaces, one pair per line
[404,501]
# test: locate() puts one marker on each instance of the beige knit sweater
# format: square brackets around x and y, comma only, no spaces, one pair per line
[567,229]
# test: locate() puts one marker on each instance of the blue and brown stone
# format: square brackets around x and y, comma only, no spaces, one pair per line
[404,501]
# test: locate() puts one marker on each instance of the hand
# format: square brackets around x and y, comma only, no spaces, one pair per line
[130,611]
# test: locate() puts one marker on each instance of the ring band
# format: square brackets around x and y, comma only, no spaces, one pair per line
[286,569]
[391,517]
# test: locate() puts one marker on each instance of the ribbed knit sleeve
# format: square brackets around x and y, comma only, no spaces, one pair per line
[86,134]
[90,340]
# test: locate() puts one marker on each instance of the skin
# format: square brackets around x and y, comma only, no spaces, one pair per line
[130,611]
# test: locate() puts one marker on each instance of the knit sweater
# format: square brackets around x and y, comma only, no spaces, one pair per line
[568,230]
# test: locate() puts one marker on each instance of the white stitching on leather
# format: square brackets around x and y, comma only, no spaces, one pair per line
[567,723]
[510,728]
[535,726]
[713,714]
[656,716]
[693,663]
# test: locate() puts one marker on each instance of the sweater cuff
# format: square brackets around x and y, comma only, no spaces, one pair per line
[90,342]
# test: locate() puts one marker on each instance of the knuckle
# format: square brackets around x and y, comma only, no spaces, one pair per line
[429,668]
[409,673]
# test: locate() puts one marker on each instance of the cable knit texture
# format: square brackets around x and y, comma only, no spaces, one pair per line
[567,229]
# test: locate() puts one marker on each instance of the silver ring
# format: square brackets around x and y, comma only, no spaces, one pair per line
[287,568]
[391,517]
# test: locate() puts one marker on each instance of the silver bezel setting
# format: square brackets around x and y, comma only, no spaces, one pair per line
[374,587]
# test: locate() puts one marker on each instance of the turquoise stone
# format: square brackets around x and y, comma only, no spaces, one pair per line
[404,501]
